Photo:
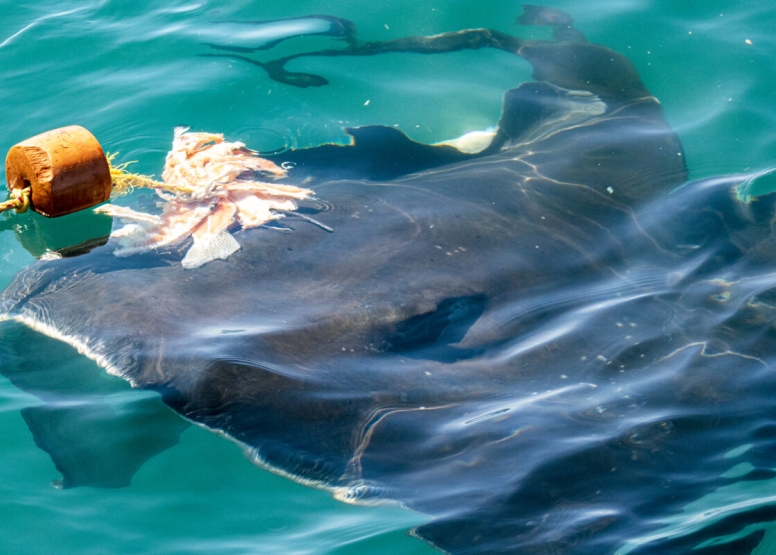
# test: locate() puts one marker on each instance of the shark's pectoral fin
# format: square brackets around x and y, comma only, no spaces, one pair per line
[94,444]
[97,431]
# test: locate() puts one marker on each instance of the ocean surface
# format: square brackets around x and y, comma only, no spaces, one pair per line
[132,71]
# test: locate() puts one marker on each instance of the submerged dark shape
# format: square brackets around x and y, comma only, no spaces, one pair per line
[528,343]
[95,436]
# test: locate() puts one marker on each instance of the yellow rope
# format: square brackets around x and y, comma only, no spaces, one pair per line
[19,201]
[124,181]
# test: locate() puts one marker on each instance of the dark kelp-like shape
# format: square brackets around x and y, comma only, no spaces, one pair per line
[521,343]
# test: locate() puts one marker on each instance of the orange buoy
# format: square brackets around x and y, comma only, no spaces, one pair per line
[65,168]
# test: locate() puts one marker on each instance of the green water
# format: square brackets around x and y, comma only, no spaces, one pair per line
[129,72]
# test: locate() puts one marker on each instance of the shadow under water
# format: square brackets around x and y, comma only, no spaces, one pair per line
[548,346]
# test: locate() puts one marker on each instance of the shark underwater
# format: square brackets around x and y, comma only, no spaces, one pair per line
[551,343]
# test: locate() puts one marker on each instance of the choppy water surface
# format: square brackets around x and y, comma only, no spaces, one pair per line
[131,72]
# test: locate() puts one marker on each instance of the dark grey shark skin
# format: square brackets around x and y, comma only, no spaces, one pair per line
[522,343]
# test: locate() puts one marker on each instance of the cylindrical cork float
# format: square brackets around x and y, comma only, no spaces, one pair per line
[65,168]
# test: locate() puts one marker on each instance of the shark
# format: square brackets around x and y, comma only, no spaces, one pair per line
[526,340]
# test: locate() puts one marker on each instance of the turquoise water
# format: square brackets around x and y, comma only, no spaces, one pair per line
[130,72]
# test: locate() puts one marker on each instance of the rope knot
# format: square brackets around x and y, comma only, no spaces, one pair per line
[19,201]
